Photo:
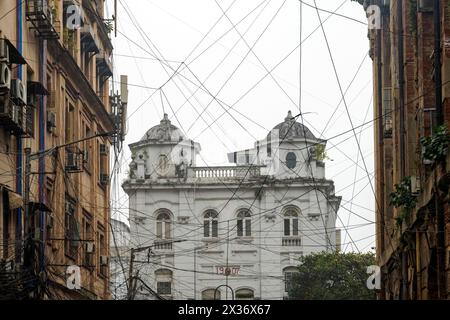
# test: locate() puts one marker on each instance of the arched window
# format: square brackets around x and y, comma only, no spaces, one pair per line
[244,294]
[210,224]
[163,281]
[291,222]
[163,225]
[208,294]
[288,273]
[244,223]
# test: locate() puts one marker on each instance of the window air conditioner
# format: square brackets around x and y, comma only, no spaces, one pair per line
[51,120]
[18,92]
[4,51]
[5,77]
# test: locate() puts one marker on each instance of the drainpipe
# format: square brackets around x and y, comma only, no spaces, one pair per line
[400,61]
[418,267]
[380,164]
[42,117]
[19,142]
[440,214]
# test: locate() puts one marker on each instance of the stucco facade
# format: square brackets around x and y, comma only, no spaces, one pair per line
[243,225]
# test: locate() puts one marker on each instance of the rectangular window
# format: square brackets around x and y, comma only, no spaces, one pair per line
[88,234]
[295,227]
[159,229]
[287,232]
[288,280]
[166,230]
[72,235]
[206,228]
[87,150]
[387,111]
[248,227]
[103,264]
[164,287]
[103,151]
[215,228]
[239,228]
[429,119]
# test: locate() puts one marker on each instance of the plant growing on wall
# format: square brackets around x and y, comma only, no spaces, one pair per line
[321,154]
[412,19]
[403,198]
[435,147]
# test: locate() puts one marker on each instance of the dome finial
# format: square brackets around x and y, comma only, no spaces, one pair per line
[289,116]
[165,119]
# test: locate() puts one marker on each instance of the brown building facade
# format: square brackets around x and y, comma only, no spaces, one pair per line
[411,75]
[62,62]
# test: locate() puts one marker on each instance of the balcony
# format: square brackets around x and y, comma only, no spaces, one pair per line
[291,241]
[104,64]
[43,18]
[163,245]
[89,40]
[12,116]
[227,173]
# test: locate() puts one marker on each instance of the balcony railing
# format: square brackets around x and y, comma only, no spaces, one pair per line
[227,173]
[43,18]
[291,242]
[163,245]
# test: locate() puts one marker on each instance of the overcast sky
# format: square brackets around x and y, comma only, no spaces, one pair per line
[181,31]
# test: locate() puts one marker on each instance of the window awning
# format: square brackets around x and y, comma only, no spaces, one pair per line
[15,200]
[14,55]
[39,206]
[36,88]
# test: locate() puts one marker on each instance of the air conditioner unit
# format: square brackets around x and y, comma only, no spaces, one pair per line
[16,114]
[90,247]
[104,179]
[104,150]
[103,260]
[72,161]
[18,92]
[51,120]
[4,51]
[5,77]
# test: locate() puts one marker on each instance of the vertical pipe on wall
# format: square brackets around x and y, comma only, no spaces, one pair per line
[401,80]
[41,121]
[19,157]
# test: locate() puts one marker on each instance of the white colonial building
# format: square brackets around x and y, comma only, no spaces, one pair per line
[234,231]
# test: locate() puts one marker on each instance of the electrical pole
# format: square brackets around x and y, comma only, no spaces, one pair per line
[195,273]
[130,276]
[226,269]
[26,193]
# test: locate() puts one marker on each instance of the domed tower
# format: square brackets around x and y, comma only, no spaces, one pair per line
[294,150]
[163,152]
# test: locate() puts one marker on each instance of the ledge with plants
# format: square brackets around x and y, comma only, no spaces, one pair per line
[403,198]
[435,147]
